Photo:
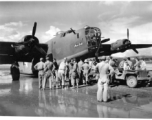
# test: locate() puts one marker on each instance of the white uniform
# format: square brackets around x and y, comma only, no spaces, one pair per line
[102,93]
[61,72]
[143,65]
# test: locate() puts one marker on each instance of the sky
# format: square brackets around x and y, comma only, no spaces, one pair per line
[112,17]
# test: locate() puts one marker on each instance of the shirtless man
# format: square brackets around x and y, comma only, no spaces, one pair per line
[103,82]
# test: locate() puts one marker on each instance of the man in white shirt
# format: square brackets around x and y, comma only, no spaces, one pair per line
[103,68]
[40,67]
[142,64]
[61,71]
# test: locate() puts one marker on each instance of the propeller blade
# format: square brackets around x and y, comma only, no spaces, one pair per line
[34,29]
[105,40]
[39,49]
[72,30]
[127,33]
[135,50]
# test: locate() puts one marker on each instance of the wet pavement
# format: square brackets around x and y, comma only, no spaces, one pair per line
[23,98]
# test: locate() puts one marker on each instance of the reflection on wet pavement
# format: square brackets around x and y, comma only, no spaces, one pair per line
[23,98]
[26,85]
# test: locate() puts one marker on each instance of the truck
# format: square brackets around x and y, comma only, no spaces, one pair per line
[134,77]
[131,77]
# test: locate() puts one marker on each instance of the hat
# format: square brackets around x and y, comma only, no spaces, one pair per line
[85,61]
[41,59]
[103,58]
[74,59]
[107,58]
[47,58]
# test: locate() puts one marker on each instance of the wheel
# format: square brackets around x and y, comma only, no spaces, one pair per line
[15,73]
[131,81]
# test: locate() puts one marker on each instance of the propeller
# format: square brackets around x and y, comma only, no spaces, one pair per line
[72,30]
[105,40]
[34,29]
[40,50]
[134,49]
[127,33]
[30,43]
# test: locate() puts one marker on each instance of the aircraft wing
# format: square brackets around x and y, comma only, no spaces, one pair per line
[141,46]
[7,52]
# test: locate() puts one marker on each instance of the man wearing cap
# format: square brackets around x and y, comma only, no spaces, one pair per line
[40,67]
[103,68]
[61,71]
[48,72]
[85,68]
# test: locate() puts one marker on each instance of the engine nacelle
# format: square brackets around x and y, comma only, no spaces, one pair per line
[24,46]
[120,45]
[28,39]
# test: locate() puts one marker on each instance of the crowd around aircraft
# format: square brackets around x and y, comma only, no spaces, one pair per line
[83,43]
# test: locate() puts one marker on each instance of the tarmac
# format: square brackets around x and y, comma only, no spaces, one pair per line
[23,98]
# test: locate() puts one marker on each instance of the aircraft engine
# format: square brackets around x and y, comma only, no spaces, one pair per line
[25,46]
[121,45]
[28,44]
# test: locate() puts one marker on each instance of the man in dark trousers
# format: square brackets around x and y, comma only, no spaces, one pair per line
[80,72]
[55,72]
[74,74]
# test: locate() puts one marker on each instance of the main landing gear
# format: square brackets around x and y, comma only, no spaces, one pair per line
[15,72]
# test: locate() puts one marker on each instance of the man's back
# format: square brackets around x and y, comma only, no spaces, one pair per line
[40,65]
[103,68]
[80,63]
[48,66]
[62,65]
[85,67]
[75,67]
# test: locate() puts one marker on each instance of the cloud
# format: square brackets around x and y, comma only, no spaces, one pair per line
[9,31]
[14,24]
[49,34]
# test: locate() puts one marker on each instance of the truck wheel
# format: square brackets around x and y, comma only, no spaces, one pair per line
[131,81]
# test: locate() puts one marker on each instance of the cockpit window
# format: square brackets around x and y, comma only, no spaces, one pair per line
[93,35]
[92,32]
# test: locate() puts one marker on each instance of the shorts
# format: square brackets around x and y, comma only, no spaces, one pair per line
[74,75]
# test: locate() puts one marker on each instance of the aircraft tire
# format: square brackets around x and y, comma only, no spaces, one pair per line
[15,73]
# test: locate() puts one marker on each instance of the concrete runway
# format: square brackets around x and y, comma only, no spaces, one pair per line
[23,98]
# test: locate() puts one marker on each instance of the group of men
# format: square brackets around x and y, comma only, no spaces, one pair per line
[76,73]
[136,64]
[69,71]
